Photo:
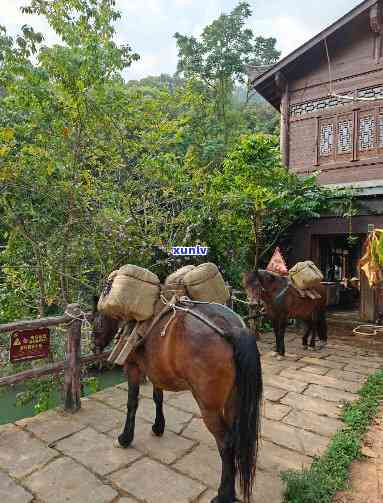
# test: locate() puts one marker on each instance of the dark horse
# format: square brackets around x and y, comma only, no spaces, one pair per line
[221,368]
[283,301]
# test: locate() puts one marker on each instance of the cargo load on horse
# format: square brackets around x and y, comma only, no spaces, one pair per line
[134,296]
[203,283]
[305,275]
[130,293]
[174,283]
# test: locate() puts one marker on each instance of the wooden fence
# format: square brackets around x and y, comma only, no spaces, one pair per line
[73,319]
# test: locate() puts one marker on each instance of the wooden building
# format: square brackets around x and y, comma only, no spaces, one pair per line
[330,95]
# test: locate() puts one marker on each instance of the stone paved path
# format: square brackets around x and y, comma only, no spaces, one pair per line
[56,458]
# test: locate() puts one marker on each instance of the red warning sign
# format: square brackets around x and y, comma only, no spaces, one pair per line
[29,344]
[277,263]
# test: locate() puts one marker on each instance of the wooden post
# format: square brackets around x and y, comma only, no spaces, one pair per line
[283,88]
[72,372]
[376,26]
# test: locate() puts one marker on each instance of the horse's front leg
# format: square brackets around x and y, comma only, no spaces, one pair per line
[134,376]
[305,339]
[276,331]
[280,336]
[159,424]
[313,336]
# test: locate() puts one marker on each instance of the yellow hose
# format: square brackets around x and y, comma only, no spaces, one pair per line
[376,330]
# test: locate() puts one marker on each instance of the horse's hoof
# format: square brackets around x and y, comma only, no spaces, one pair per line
[280,358]
[122,442]
[305,347]
[273,353]
[158,429]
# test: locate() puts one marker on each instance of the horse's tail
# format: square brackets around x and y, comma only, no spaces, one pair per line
[246,425]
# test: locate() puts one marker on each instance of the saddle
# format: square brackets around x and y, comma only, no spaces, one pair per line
[132,334]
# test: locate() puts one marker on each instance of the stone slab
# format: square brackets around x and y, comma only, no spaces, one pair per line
[289,384]
[370,363]
[196,430]
[99,416]
[273,394]
[152,482]
[115,397]
[274,458]
[185,402]
[52,425]
[315,369]
[274,410]
[268,488]
[175,419]
[207,496]
[305,442]
[347,376]
[96,451]
[325,380]
[361,369]
[330,394]
[166,449]
[65,481]
[10,492]
[21,454]
[203,464]
[326,426]
[320,407]
[321,362]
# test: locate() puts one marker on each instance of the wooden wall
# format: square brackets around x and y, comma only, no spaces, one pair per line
[354,67]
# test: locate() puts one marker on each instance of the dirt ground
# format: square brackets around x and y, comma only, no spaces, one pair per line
[366,476]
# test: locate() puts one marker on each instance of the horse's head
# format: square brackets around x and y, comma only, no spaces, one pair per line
[104,329]
[258,284]
[253,286]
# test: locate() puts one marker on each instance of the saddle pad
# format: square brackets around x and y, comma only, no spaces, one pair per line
[128,342]
[310,294]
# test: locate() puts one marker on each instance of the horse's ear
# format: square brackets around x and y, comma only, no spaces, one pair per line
[95,303]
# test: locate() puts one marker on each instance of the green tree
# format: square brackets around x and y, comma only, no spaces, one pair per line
[48,113]
[221,58]
[257,200]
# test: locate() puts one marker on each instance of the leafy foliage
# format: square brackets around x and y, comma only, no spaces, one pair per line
[257,199]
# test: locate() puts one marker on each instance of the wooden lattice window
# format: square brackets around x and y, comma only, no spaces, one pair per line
[345,130]
[380,128]
[326,142]
[367,133]
[349,136]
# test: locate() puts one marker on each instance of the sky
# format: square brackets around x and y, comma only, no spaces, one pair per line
[149,25]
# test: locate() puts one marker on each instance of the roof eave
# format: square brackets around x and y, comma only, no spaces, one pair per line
[359,9]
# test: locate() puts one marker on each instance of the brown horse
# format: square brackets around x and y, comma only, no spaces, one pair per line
[221,368]
[282,302]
